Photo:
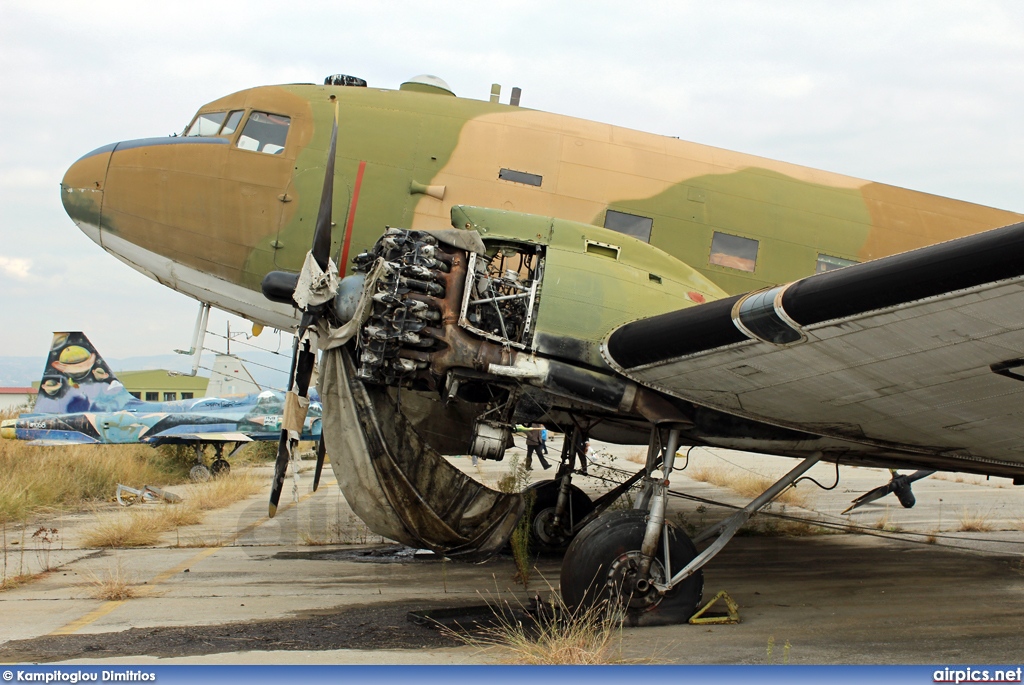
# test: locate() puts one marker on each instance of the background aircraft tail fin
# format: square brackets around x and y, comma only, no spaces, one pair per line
[76,379]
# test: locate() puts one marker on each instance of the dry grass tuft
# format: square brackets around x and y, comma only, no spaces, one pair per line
[142,525]
[310,539]
[41,478]
[885,523]
[114,585]
[637,456]
[575,638]
[744,483]
[974,522]
[223,491]
[126,528]
[11,582]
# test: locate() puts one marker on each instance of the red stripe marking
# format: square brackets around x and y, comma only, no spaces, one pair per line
[343,266]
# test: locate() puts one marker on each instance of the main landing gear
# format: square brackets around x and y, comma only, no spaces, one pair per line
[560,509]
[642,563]
[220,466]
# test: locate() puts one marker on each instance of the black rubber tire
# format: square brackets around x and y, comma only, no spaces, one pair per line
[199,474]
[545,497]
[609,543]
[220,467]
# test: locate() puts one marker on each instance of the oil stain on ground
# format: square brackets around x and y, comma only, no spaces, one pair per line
[366,628]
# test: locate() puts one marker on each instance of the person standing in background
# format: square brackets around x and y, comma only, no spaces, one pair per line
[534,444]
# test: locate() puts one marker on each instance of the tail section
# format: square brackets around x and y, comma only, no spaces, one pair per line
[76,379]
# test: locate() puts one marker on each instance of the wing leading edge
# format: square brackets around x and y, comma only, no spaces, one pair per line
[915,352]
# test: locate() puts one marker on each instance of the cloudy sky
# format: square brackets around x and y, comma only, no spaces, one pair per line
[926,95]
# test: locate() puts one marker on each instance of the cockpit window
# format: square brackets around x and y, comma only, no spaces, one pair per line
[231,123]
[206,124]
[265,132]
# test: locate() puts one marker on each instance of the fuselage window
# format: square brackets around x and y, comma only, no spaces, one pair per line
[733,252]
[827,263]
[206,124]
[265,132]
[520,177]
[630,224]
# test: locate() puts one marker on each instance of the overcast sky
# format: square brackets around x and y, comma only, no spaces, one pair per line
[926,95]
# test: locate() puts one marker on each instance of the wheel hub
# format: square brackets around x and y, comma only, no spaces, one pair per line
[546,530]
[634,590]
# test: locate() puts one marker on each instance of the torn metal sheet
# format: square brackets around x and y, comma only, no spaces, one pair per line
[396,483]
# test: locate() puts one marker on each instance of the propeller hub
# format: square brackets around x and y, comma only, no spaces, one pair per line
[347,300]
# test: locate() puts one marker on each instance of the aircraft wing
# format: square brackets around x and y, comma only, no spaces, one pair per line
[179,438]
[921,352]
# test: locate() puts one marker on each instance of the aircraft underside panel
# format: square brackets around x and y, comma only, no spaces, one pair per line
[396,483]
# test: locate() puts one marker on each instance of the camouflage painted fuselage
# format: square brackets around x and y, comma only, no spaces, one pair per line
[210,218]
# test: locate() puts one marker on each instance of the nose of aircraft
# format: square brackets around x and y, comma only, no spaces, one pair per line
[81,190]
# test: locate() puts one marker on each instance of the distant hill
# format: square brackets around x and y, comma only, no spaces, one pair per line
[269,369]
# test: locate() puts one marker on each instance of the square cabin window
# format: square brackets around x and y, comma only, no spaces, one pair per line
[152,397]
[828,263]
[733,251]
[630,224]
[265,132]
[170,396]
[187,396]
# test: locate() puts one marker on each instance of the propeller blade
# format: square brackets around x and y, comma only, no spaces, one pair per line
[283,453]
[322,236]
[280,471]
[321,452]
[869,496]
[899,485]
[304,359]
[918,475]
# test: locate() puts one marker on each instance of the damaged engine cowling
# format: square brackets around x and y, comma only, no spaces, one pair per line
[441,315]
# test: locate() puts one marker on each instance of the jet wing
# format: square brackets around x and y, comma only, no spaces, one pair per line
[179,438]
[921,352]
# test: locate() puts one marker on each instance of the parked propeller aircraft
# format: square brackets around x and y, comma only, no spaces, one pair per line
[81,402]
[499,266]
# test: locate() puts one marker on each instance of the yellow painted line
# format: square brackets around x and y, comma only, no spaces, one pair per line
[93,615]
[110,605]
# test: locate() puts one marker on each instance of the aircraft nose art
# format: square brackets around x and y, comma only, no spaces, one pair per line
[81,190]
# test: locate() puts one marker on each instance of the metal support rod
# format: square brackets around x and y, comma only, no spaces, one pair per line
[644,498]
[198,336]
[603,502]
[564,475]
[656,520]
[502,298]
[727,528]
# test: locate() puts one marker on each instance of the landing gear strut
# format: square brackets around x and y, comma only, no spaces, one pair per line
[557,519]
[559,509]
[220,466]
[643,563]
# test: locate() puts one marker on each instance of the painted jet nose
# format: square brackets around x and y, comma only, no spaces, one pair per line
[81,190]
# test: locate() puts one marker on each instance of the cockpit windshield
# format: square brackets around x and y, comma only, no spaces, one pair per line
[210,124]
[265,132]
